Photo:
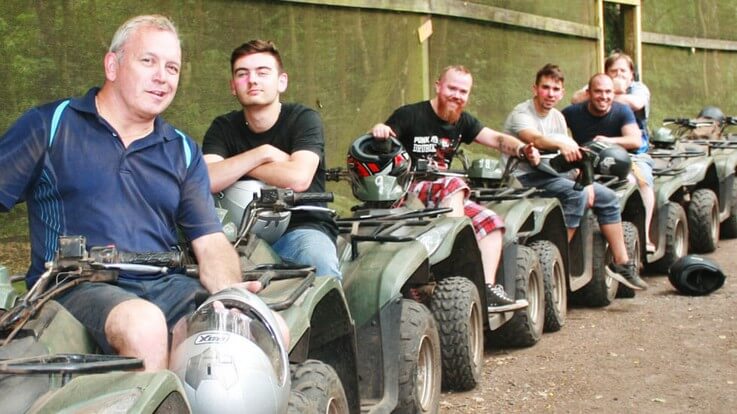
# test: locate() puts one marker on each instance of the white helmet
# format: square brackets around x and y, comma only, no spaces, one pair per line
[233,362]
[269,225]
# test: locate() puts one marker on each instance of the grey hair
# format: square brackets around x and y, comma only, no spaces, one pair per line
[125,31]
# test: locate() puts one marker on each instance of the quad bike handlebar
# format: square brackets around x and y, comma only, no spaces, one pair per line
[585,166]
[688,122]
[275,197]
[74,264]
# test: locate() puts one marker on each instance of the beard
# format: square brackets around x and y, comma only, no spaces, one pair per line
[448,113]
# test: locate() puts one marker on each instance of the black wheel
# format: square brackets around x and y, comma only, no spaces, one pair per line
[555,283]
[526,326]
[456,305]
[300,404]
[703,221]
[676,237]
[601,289]
[632,242]
[729,226]
[321,385]
[419,360]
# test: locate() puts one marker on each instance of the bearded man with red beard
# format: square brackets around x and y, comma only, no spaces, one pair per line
[433,130]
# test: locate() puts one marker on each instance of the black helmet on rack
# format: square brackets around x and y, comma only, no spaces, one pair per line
[610,159]
[695,275]
[379,170]
[713,113]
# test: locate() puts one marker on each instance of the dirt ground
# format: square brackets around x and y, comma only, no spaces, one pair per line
[660,352]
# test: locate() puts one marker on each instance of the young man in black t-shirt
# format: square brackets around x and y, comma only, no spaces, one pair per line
[279,144]
[434,130]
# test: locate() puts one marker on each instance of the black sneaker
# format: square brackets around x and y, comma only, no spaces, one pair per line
[498,301]
[626,274]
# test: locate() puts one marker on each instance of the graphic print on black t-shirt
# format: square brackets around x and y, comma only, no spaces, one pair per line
[438,150]
[426,136]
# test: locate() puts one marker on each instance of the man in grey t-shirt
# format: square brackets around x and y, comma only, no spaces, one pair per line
[537,121]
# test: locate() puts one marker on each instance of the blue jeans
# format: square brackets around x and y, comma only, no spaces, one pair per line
[91,303]
[606,204]
[310,247]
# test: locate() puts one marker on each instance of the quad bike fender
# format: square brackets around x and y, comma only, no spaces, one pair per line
[378,274]
[378,342]
[633,209]
[726,198]
[55,331]
[548,219]
[464,259]
[506,274]
[666,189]
[139,392]
[59,332]
[580,253]
[320,327]
[699,171]
[695,172]
[304,317]
[624,192]
[726,163]
[519,218]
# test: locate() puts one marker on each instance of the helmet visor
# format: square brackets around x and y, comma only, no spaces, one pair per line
[247,322]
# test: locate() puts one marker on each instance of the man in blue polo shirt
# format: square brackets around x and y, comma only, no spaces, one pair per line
[108,167]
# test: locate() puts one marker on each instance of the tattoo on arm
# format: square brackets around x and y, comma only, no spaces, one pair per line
[507,146]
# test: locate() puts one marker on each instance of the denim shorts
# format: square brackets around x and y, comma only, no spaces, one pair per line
[606,204]
[91,303]
[642,165]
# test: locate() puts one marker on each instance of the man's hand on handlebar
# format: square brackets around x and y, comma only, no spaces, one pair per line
[531,154]
[570,150]
[382,131]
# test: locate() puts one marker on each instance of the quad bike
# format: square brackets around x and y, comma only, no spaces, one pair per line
[581,278]
[50,364]
[381,183]
[710,132]
[687,206]
[322,350]
[415,258]
[50,356]
[399,368]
